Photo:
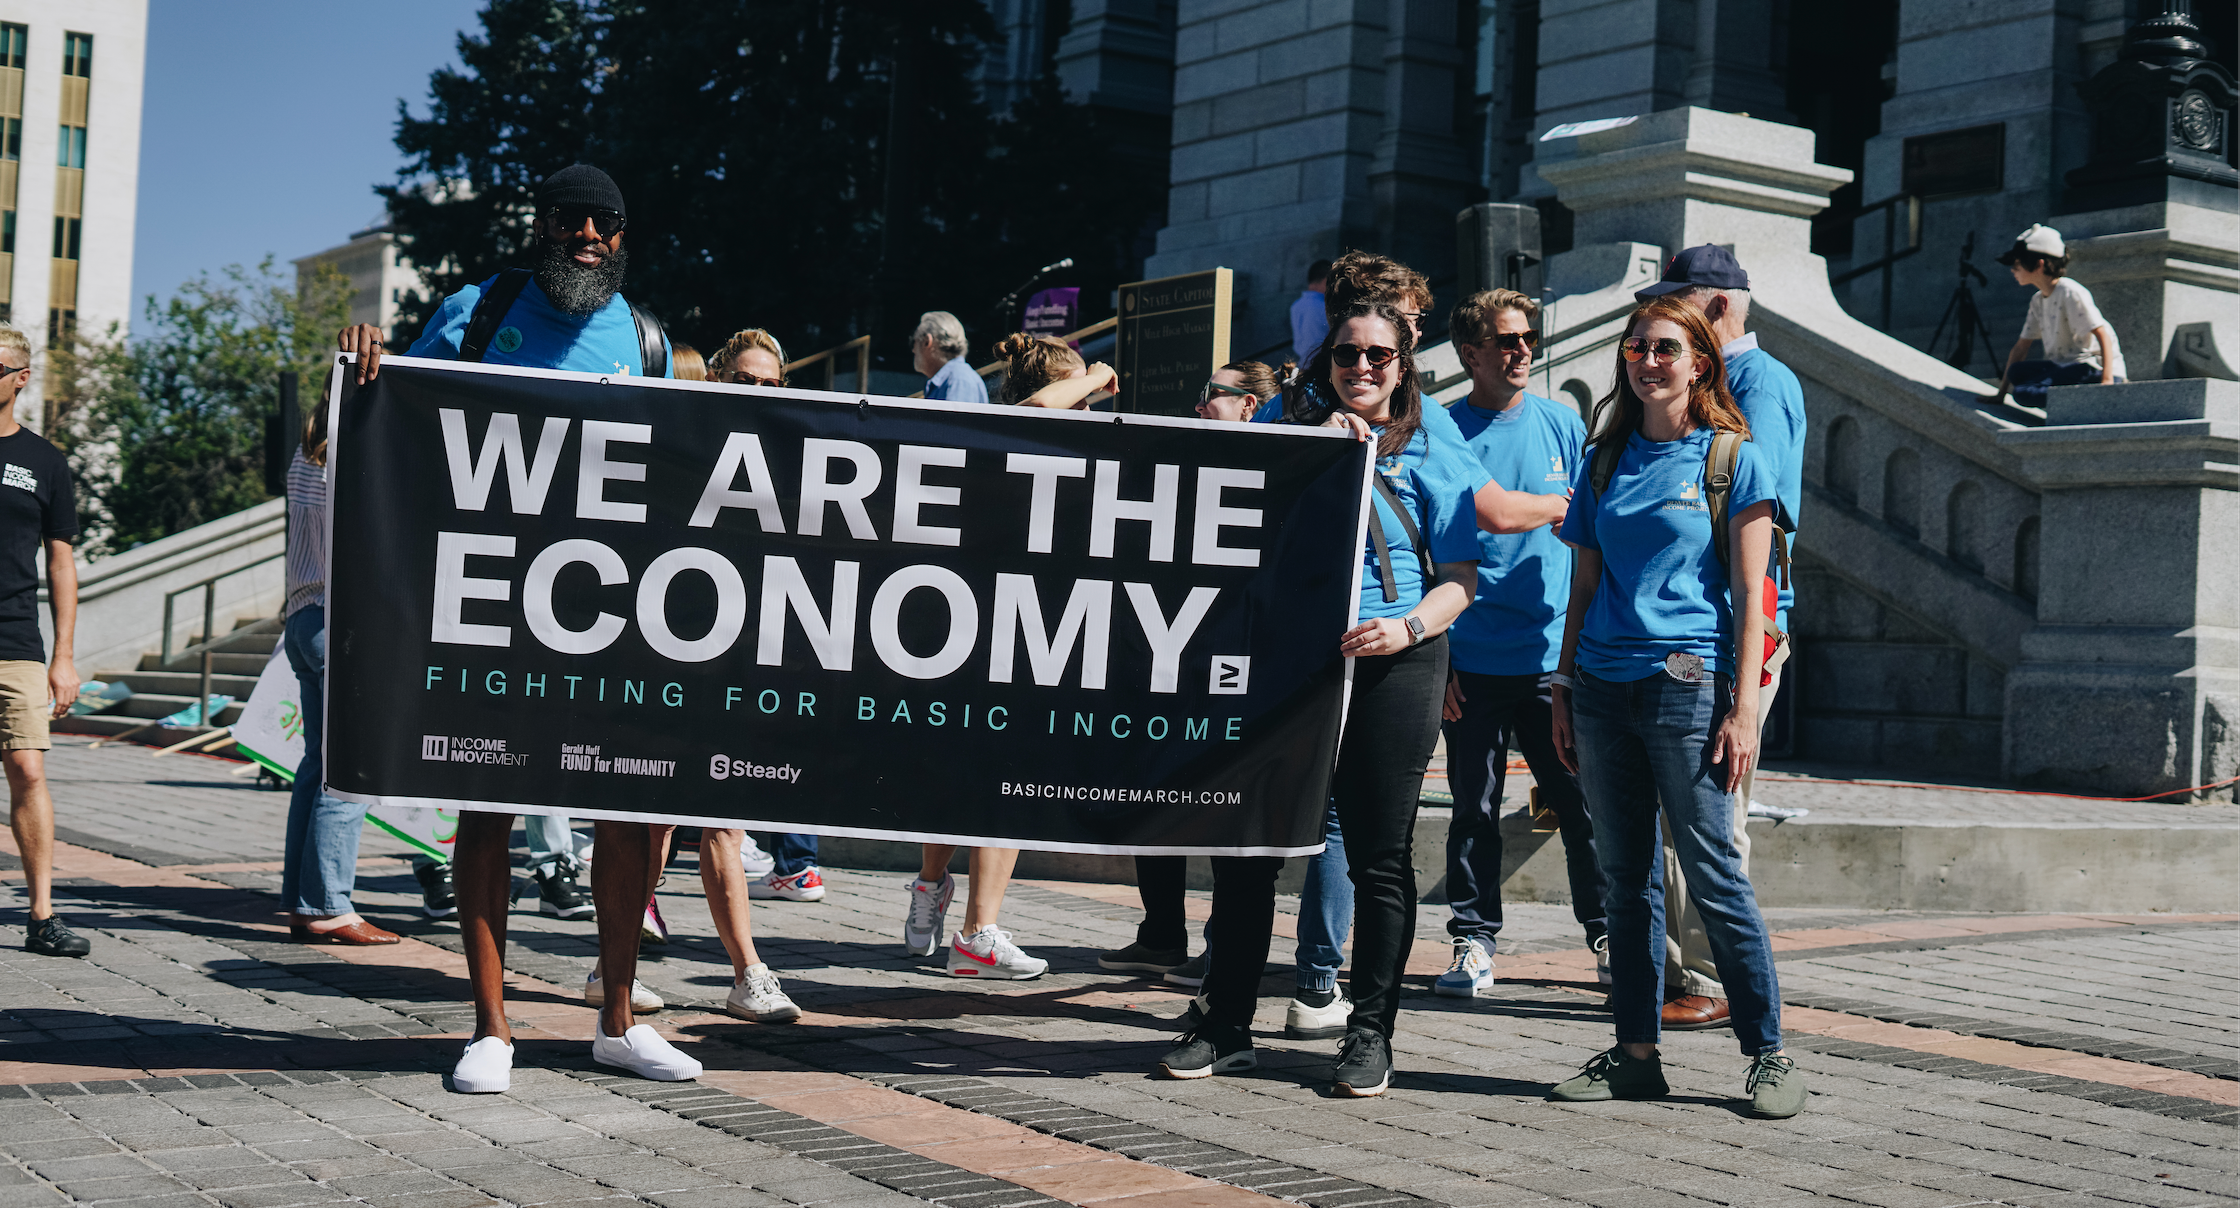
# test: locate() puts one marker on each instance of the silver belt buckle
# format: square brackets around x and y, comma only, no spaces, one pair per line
[1685,667]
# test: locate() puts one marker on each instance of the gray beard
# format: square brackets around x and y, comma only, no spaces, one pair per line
[574,289]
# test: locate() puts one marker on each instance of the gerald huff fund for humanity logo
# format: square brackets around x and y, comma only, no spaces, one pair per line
[451,748]
[585,757]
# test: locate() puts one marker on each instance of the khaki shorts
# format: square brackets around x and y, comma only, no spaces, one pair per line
[24,705]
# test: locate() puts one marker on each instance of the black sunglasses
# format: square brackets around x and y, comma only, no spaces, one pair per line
[1207,391]
[5,370]
[608,223]
[1513,341]
[1346,356]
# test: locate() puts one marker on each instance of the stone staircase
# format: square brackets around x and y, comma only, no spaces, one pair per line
[159,691]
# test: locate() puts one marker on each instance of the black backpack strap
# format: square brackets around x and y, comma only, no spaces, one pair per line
[1605,466]
[1415,540]
[490,312]
[653,351]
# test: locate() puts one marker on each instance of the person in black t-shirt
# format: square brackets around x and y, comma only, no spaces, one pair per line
[37,510]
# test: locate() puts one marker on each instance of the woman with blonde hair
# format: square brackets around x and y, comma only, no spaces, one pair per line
[1043,372]
[1655,696]
[752,357]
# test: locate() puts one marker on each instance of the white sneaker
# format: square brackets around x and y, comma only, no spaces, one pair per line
[486,1068]
[803,886]
[752,859]
[929,912]
[1469,973]
[757,997]
[643,1052]
[990,953]
[641,999]
[1303,1020]
[1601,947]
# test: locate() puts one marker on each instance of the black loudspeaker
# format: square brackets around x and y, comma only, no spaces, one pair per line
[1498,247]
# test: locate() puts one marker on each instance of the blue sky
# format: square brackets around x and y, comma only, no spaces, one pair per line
[267,123]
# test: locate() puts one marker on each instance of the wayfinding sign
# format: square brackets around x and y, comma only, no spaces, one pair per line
[1174,332]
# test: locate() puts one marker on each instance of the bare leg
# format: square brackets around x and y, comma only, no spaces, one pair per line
[991,875]
[618,887]
[726,885]
[31,817]
[482,873]
[933,861]
[657,857]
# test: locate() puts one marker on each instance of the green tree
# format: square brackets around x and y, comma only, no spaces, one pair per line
[166,431]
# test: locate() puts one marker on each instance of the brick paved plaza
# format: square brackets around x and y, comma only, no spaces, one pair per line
[198,1057]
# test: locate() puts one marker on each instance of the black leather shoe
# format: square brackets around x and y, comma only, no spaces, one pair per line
[50,937]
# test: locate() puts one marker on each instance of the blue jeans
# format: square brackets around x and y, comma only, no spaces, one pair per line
[791,853]
[321,859]
[1495,710]
[2028,381]
[1645,741]
[1325,911]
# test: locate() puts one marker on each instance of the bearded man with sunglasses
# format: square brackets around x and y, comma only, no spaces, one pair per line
[1504,646]
[567,313]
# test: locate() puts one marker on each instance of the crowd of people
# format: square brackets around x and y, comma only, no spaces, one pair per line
[1607,599]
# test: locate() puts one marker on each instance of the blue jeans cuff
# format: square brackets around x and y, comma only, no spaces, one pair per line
[1319,982]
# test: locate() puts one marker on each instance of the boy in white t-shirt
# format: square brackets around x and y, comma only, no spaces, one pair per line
[2080,346]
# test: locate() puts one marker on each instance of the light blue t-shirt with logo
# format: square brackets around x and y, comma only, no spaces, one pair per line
[1663,589]
[1772,400]
[1437,480]
[957,383]
[1515,627]
[535,334]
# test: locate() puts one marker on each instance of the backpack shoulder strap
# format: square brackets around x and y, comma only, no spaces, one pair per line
[490,311]
[1718,485]
[1407,525]
[653,352]
[1606,457]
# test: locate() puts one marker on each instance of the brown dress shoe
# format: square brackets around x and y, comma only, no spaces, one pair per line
[357,934]
[1692,1012]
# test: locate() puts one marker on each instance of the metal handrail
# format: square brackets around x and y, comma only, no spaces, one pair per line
[831,358]
[993,368]
[209,643]
[1889,207]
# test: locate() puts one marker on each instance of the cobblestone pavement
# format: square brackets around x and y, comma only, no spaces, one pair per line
[199,1058]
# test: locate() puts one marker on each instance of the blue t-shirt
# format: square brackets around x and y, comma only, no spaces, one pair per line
[535,334]
[1772,400]
[957,383]
[1437,480]
[1310,324]
[1515,627]
[1436,418]
[1662,588]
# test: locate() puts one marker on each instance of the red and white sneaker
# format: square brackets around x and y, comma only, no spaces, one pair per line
[989,953]
[929,910]
[803,886]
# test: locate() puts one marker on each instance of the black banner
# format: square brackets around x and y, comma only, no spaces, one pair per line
[795,611]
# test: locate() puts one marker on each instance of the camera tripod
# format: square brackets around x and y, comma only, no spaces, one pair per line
[1962,305]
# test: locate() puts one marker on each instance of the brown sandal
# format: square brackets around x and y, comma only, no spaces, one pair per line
[358,934]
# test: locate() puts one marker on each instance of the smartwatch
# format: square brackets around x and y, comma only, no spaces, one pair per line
[1415,628]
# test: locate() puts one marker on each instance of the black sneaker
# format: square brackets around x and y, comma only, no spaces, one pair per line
[437,897]
[559,895]
[1364,1065]
[1136,958]
[1209,1049]
[1613,1075]
[49,937]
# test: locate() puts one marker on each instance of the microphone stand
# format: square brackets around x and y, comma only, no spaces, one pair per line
[1011,300]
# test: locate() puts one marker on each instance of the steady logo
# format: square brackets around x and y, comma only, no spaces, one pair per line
[452,748]
[724,767]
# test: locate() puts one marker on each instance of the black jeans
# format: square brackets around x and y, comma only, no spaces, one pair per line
[1392,726]
[1498,709]
[1160,881]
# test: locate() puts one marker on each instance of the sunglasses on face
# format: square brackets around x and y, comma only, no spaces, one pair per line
[607,222]
[1514,341]
[1346,356]
[1667,349]
[6,370]
[1207,392]
[742,378]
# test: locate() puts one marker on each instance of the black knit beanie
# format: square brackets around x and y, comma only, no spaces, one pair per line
[580,185]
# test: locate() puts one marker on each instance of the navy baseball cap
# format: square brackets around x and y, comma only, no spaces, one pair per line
[1706,267]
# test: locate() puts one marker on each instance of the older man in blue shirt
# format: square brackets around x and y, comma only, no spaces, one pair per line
[1772,400]
[937,350]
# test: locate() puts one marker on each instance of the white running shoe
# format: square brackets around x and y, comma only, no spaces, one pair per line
[486,1068]
[643,1052]
[989,953]
[803,886]
[1469,974]
[1306,1020]
[641,999]
[752,859]
[929,912]
[757,997]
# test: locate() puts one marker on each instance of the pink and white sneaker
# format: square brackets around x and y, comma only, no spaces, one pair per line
[803,886]
[989,954]
[929,911]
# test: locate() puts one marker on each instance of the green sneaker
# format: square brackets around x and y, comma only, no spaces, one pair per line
[1613,1075]
[1776,1087]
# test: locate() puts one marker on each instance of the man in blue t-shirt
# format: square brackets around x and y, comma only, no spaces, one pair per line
[1310,316]
[569,315]
[1772,400]
[1504,646]
[937,350]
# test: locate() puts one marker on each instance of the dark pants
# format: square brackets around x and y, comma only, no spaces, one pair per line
[2028,381]
[1160,881]
[1498,709]
[791,853]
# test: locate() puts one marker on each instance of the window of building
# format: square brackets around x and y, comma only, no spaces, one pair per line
[77,55]
[8,232]
[62,326]
[11,138]
[13,40]
[66,237]
[72,151]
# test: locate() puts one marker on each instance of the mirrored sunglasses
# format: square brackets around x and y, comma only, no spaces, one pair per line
[1667,349]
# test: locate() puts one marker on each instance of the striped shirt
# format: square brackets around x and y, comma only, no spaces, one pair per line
[307,534]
